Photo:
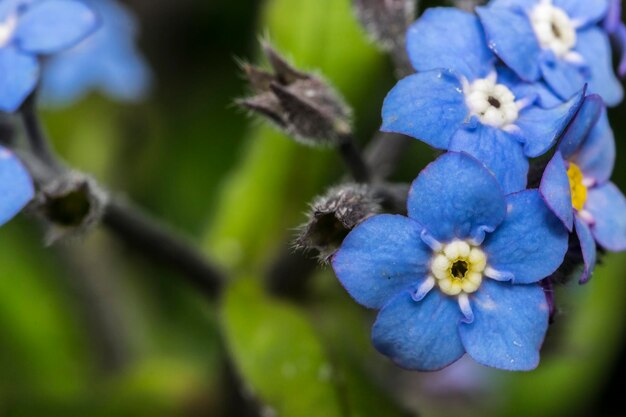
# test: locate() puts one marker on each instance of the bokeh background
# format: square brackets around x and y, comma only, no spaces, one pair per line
[90,328]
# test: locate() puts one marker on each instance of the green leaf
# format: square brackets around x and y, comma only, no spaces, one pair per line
[278,353]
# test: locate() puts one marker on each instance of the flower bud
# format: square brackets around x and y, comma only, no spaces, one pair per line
[301,104]
[341,209]
[71,206]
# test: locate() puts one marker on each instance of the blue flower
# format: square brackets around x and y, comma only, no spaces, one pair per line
[460,273]
[16,186]
[108,61]
[617,32]
[460,101]
[576,185]
[32,28]
[559,41]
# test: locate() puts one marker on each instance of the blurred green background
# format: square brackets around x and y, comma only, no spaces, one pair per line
[90,328]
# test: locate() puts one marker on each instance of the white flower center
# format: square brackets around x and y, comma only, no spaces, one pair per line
[553,27]
[493,104]
[7,28]
[458,268]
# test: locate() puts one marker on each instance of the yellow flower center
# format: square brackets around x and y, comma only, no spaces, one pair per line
[577,187]
[458,268]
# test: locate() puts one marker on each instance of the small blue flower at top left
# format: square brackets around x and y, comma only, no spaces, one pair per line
[33,28]
[108,61]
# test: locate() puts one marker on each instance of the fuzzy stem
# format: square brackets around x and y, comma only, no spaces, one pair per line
[353,158]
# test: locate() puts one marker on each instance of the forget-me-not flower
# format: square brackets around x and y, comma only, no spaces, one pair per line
[107,61]
[576,185]
[33,28]
[459,100]
[460,273]
[559,41]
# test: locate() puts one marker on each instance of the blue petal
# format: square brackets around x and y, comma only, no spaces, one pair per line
[581,125]
[588,249]
[511,37]
[429,106]
[420,335]
[596,156]
[381,257]
[564,78]
[556,192]
[607,205]
[432,44]
[584,12]
[593,44]
[531,242]
[456,197]
[16,186]
[514,4]
[540,128]
[495,148]
[536,92]
[51,26]
[19,78]
[509,326]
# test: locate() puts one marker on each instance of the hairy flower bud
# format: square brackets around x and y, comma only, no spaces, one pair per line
[301,104]
[70,206]
[334,214]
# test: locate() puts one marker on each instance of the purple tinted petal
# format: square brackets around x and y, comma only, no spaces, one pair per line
[596,155]
[429,106]
[531,242]
[588,249]
[500,153]
[512,38]
[456,197]
[607,205]
[581,125]
[419,335]
[555,190]
[432,45]
[380,257]
[509,325]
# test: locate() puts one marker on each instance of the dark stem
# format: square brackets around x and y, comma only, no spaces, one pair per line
[161,245]
[353,158]
[39,144]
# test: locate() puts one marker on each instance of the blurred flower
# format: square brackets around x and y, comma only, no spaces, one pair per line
[301,104]
[460,273]
[558,41]
[16,186]
[32,28]
[460,101]
[576,184]
[107,61]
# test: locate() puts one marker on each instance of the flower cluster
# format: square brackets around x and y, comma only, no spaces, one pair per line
[464,272]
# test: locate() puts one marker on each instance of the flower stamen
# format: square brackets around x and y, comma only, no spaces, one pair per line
[554,28]
[577,186]
[494,104]
[458,268]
